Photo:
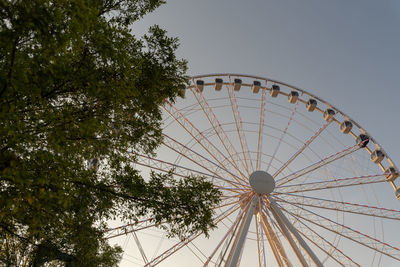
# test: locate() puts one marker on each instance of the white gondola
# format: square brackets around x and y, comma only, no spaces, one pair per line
[237,84]
[200,85]
[398,193]
[346,127]
[328,114]
[275,90]
[311,104]
[256,87]
[293,96]
[377,156]
[362,140]
[218,84]
[391,174]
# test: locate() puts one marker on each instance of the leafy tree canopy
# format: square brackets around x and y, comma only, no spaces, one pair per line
[75,85]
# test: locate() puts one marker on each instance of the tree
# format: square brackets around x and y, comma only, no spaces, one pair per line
[76,86]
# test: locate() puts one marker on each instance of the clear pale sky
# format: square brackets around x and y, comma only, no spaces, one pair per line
[345,51]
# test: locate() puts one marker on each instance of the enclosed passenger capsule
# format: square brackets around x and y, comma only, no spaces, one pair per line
[311,104]
[237,84]
[377,156]
[200,85]
[391,174]
[346,127]
[362,140]
[275,90]
[328,114]
[256,87]
[293,96]
[218,84]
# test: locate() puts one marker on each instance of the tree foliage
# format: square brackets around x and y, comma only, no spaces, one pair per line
[75,85]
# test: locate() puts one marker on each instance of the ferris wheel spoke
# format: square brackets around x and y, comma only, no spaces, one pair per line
[286,226]
[202,140]
[260,235]
[327,247]
[186,111]
[129,228]
[272,228]
[213,120]
[295,247]
[222,136]
[228,203]
[347,232]
[200,160]
[239,128]
[341,206]
[306,144]
[183,172]
[230,233]
[236,250]
[274,242]
[317,165]
[283,134]
[227,244]
[260,242]
[139,245]
[329,184]
[261,127]
[167,253]
[148,223]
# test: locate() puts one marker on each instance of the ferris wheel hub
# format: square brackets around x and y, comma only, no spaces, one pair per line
[262,182]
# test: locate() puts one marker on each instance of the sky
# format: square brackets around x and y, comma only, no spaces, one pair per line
[345,52]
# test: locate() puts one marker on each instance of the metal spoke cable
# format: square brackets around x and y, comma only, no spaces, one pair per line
[261,127]
[322,243]
[231,231]
[329,184]
[189,239]
[213,120]
[239,128]
[207,145]
[283,134]
[341,206]
[349,233]
[317,165]
[199,159]
[298,152]
[181,171]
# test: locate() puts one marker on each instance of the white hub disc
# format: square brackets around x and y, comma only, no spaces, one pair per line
[262,182]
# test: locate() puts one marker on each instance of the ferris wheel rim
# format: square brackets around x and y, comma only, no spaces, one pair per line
[371,138]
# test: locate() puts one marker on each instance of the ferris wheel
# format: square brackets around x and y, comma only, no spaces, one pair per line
[302,183]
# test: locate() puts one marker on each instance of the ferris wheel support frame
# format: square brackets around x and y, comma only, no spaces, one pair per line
[285,225]
[236,250]
[283,217]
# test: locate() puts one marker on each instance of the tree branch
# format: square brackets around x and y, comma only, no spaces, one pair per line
[10,71]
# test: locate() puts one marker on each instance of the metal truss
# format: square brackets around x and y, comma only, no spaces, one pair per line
[329,184]
[317,165]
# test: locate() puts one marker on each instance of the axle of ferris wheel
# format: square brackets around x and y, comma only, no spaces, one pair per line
[263,184]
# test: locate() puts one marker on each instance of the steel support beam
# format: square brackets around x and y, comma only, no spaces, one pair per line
[281,218]
[236,249]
